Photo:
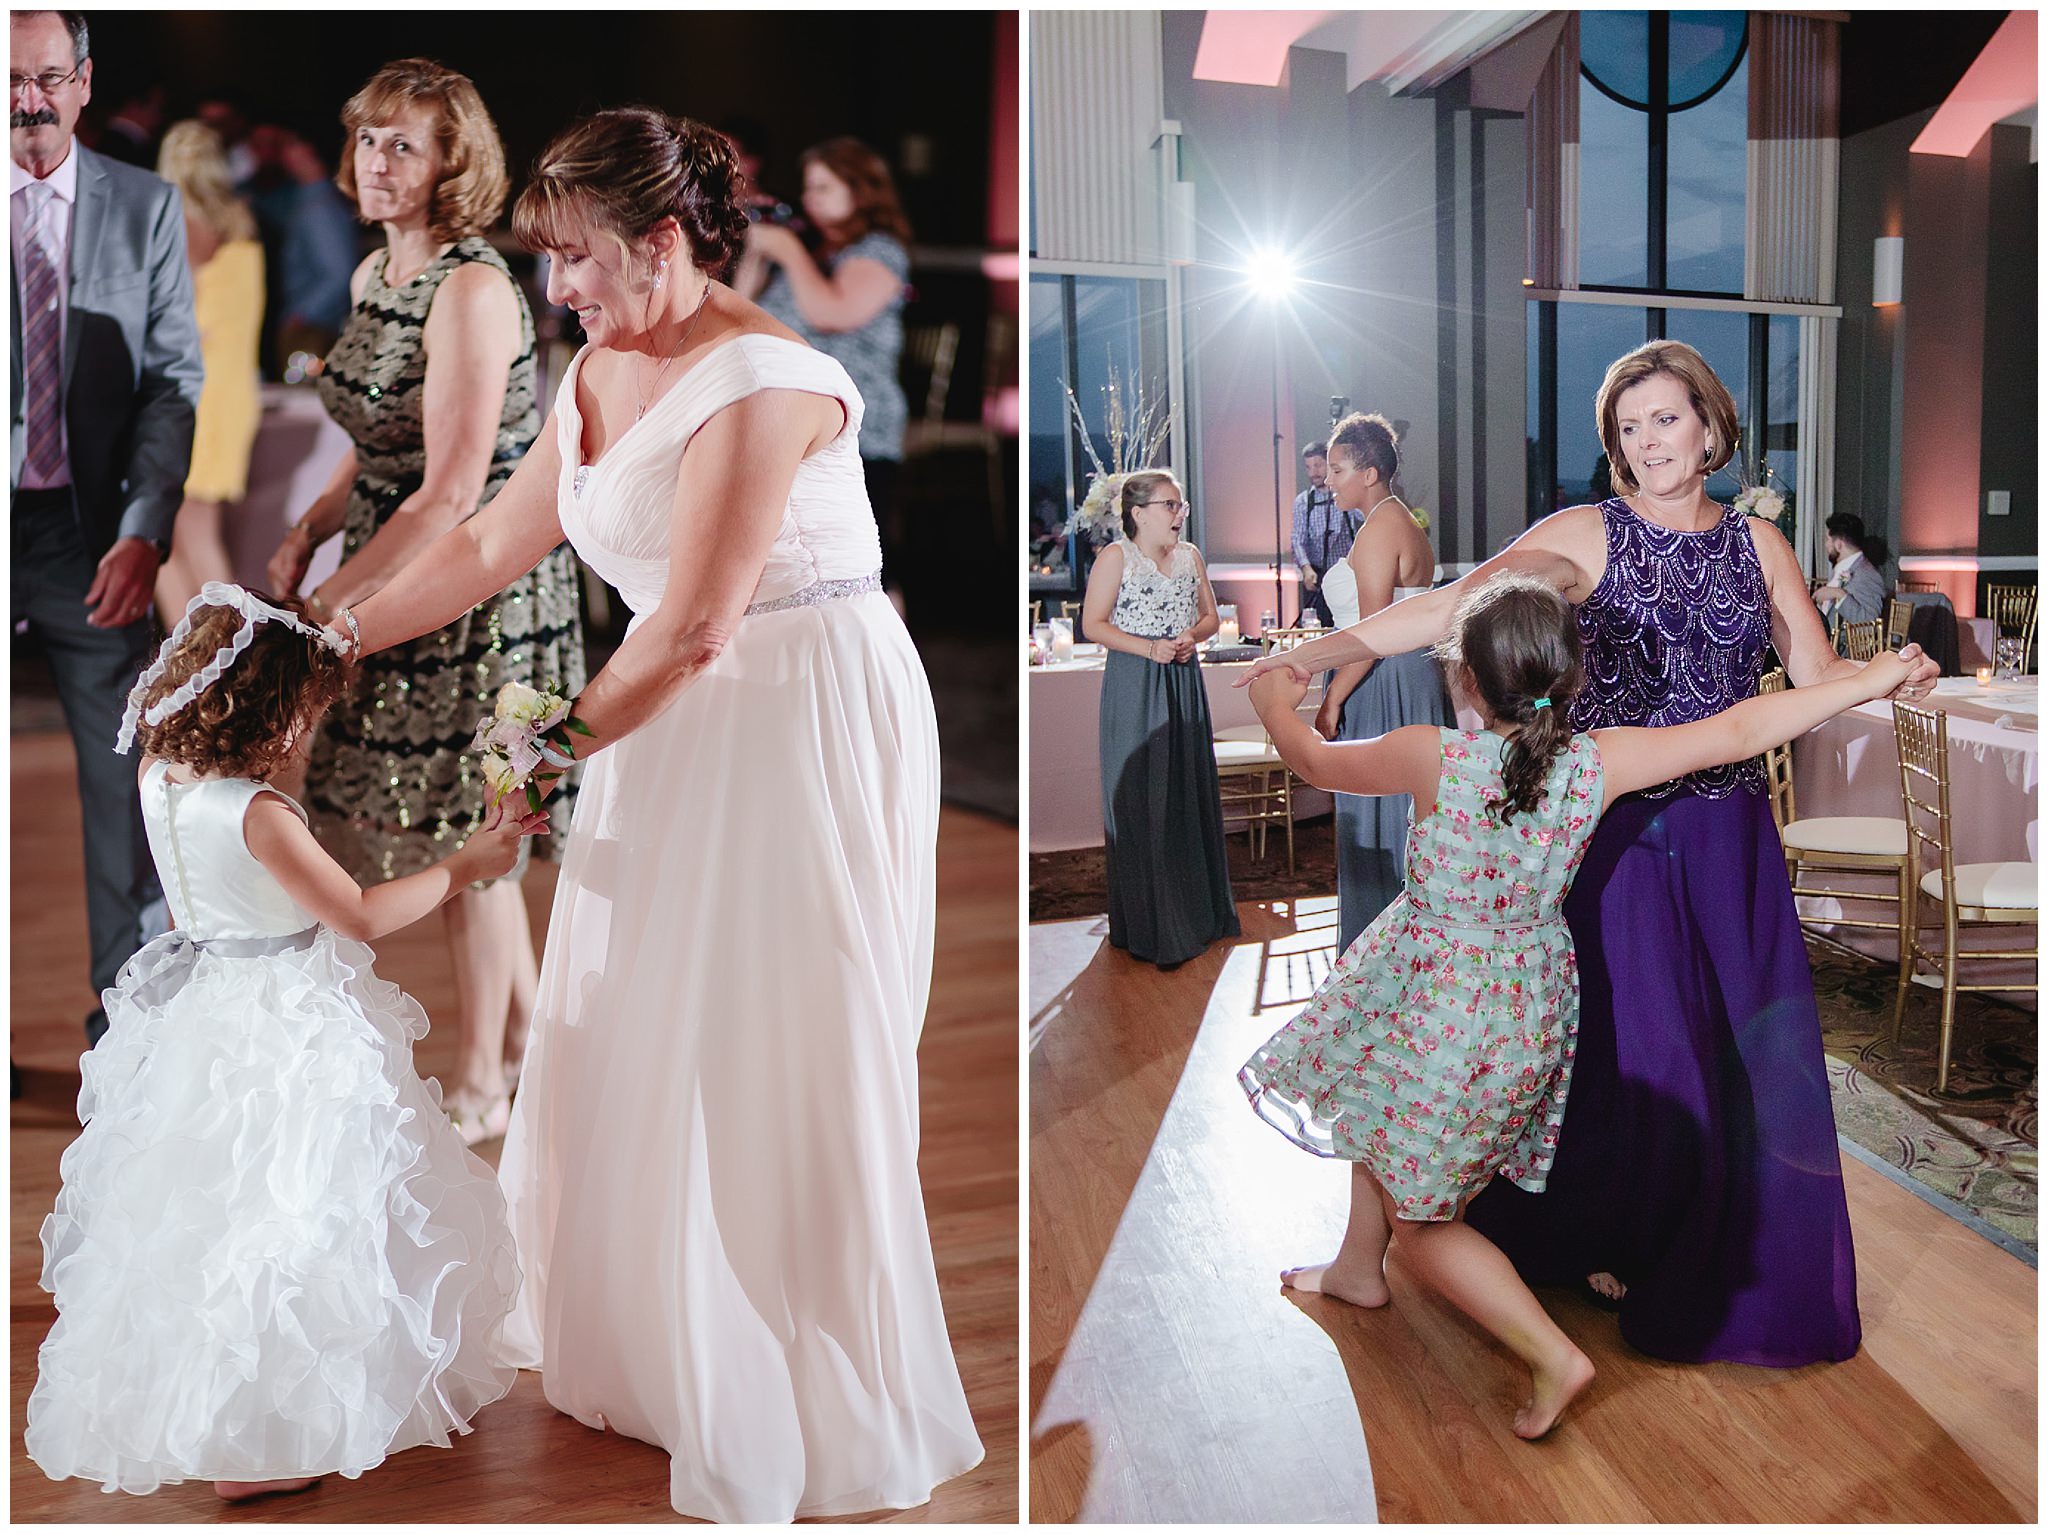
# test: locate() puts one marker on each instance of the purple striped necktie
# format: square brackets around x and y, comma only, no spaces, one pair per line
[42,353]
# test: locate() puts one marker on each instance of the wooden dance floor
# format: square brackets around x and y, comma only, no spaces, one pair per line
[1172,1379]
[525,1462]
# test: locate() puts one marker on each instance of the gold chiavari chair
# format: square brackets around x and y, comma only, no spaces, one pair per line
[2012,609]
[1907,583]
[1864,844]
[1287,639]
[1036,609]
[1256,787]
[1862,641]
[1969,894]
[1898,621]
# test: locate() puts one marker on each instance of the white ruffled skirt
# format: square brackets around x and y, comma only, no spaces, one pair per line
[272,1256]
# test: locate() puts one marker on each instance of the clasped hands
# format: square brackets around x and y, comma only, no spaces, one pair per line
[1172,651]
[1281,688]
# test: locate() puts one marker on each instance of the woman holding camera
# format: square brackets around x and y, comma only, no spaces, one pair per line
[847,301]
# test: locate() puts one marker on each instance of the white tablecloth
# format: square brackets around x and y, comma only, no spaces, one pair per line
[297,447]
[1066,765]
[1850,766]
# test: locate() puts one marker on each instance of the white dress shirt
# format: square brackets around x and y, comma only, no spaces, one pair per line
[62,184]
[1839,576]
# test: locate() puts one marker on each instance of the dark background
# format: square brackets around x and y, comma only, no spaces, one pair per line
[800,77]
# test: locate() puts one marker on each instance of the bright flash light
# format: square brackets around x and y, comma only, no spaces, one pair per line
[1271,273]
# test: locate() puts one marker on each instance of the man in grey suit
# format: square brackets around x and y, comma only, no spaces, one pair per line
[1856,589]
[105,378]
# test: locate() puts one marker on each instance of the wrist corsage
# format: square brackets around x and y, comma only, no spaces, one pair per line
[526,741]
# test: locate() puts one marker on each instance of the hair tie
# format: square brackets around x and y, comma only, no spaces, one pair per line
[1539,703]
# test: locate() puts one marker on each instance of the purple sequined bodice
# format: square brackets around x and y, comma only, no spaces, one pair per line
[1675,632]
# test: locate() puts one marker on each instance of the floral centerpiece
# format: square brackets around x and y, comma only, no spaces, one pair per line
[1137,428]
[527,733]
[1762,499]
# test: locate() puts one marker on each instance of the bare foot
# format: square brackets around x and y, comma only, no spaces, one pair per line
[1355,1284]
[1607,1286]
[1555,1387]
[242,1491]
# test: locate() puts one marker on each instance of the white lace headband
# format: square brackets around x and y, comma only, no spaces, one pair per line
[254,610]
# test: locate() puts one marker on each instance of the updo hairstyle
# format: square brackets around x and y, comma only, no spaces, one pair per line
[245,724]
[1138,488]
[621,172]
[1517,639]
[1371,441]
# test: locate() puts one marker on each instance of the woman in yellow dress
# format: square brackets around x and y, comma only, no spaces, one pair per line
[227,291]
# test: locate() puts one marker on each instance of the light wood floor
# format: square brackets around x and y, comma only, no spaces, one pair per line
[1172,1379]
[525,1462]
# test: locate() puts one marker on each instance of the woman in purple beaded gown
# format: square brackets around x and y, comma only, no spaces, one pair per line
[1697,1180]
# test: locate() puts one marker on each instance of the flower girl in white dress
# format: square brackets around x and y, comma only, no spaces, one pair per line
[272,1256]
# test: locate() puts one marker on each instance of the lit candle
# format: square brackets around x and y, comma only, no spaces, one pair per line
[1227,634]
[1062,639]
[1983,676]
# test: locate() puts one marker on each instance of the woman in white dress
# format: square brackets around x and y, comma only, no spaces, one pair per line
[712,1164]
[1390,559]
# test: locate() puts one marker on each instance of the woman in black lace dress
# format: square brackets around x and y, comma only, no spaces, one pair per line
[433,378]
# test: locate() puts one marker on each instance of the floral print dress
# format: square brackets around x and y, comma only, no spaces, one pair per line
[1439,1051]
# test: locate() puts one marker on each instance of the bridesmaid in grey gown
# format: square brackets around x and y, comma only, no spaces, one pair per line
[1391,558]
[1149,602]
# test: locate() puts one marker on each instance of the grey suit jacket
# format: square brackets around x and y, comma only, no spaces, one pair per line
[1863,594]
[131,355]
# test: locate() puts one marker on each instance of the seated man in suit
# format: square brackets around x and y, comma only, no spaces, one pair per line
[1855,591]
[105,378]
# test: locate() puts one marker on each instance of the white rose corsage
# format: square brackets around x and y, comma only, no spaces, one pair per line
[526,741]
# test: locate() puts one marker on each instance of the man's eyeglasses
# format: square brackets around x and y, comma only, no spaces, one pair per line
[49,82]
[1175,507]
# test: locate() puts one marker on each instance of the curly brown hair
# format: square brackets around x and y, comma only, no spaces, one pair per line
[1518,640]
[245,724]
[1371,441]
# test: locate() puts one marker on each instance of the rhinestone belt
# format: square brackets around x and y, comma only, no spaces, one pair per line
[820,591]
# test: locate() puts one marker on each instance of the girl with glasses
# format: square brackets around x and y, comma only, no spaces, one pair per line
[1150,604]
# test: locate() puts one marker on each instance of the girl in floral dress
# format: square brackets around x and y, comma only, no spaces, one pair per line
[1438,1053]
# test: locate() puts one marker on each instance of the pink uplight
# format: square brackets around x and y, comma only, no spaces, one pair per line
[2002,81]
[1250,47]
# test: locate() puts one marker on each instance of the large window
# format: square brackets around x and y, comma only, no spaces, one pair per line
[1589,337]
[1723,339]
[1663,147]
[1756,356]
[1092,333]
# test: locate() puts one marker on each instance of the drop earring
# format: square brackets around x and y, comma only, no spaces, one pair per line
[661,276]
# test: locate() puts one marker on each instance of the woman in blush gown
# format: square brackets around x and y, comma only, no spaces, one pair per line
[712,1164]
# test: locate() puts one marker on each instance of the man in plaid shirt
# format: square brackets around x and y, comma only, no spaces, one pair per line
[1322,533]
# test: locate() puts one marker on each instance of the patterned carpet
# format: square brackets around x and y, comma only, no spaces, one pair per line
[1976,1146]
